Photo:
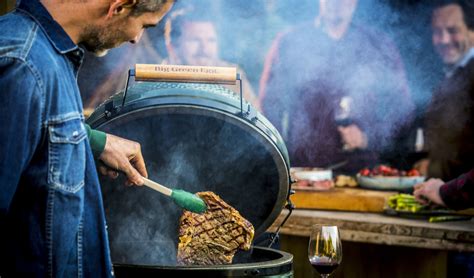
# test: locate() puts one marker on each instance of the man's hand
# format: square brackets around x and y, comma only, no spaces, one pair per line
[122,155]
[429,191]
[352,137]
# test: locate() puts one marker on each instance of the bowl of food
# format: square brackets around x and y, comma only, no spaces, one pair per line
[384,177]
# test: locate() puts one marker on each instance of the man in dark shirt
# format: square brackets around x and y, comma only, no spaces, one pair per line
[450,119]
[450,115]
[52,219]
[335,89]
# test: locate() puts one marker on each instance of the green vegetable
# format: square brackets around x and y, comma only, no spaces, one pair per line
[404,202]
[448,218]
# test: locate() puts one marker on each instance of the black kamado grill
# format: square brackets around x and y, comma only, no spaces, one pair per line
[197,137]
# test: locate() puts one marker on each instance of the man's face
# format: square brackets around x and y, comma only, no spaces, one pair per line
[451,37]
[197,44]
[337,12]
[119,29]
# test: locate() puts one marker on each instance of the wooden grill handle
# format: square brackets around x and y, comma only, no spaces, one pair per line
[192,74]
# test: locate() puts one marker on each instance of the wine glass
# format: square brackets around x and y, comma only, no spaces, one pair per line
[343,115]
[325,249]
[343,111]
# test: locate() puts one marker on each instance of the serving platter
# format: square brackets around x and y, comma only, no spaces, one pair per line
[397,183]
[425,214]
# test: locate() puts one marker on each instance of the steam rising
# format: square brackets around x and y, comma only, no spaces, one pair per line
[191,149]
[247,29]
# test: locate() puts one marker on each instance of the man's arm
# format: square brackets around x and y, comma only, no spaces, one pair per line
[117,155]
[456,194]
[273,91]
[459,193]
[21,124]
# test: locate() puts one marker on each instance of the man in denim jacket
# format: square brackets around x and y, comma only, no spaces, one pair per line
[51,214]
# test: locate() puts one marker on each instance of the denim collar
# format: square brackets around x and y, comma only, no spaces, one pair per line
[55,33]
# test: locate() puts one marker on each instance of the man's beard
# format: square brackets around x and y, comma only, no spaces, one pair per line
[100,40]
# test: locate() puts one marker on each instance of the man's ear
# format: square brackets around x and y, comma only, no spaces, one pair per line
[118,7]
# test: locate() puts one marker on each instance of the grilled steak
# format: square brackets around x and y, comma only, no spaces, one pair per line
[212,237]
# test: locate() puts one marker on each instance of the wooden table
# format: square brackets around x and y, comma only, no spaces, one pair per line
[380,229]
[376,245]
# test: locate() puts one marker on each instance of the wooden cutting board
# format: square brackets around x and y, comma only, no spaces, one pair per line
[346,199]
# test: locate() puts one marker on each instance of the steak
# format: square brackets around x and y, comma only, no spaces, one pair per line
[212,237]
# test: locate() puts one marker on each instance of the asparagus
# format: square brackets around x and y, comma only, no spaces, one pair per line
[404,202]
[448,218]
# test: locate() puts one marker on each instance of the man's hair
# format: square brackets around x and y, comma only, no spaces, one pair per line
[467,7]
[148,6]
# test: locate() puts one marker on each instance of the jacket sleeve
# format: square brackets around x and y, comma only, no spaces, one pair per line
[21,114]
[459,193]
[97,140]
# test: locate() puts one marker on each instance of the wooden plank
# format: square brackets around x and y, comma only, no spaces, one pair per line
[345,199]
[384,230]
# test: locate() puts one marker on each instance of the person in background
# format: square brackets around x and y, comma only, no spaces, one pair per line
[456,194]
[449,117]
[52,220]
[191,39]
[335,89]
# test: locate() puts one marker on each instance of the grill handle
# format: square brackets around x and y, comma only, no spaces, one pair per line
[192,74]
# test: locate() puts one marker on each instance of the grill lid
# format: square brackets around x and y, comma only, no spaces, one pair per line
[193,137]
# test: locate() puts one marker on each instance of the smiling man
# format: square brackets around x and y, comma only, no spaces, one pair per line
[51,213]
[452,35]
[449,118]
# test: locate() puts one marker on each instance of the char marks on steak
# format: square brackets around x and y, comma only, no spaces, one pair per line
[215,236]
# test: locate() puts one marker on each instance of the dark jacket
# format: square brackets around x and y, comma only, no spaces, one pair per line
[450,125]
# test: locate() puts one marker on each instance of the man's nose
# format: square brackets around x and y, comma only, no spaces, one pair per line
[137,37]
[445,37]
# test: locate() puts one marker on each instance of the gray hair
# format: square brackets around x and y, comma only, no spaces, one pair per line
[148,6]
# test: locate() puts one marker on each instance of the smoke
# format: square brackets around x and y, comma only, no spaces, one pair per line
[190,149]
[197,153]
[390,86]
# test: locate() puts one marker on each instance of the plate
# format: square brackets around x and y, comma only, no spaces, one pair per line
[422,214]
[389,183]
[311,174]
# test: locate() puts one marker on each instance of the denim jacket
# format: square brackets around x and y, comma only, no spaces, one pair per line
[52,221]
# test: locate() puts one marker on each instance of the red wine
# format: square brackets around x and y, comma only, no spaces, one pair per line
[325,268]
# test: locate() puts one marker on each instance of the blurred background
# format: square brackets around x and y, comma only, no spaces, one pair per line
[246,30]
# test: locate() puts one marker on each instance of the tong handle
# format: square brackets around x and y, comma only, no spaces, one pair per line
[192,74]
[158,187]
